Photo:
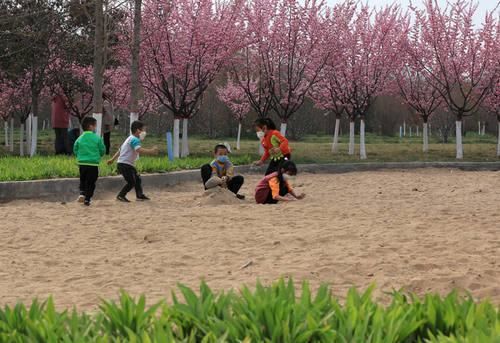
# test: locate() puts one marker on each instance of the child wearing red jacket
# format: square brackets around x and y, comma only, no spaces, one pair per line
[275,145]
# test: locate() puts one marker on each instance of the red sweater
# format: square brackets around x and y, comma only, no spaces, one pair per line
[266,143]
[60,114]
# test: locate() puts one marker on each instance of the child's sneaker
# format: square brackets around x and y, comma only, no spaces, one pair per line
[81,198]
[240,196]
[86,202]
[122,198]
[142,198]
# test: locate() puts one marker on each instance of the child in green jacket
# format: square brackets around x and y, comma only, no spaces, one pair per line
[88,148]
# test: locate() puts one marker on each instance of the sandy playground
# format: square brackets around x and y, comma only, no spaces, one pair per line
[424,230]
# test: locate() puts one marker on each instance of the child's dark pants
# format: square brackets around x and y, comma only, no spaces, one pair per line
[233,185]
[133,180]
[88,178]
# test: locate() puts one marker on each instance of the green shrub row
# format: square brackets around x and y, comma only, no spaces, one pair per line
[263,314]
[49,167]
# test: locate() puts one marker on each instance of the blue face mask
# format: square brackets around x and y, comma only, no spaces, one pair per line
[222,159]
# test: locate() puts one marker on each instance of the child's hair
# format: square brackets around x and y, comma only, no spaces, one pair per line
[136,125]
[287,166]
[220,146]
[87,122]
[268,122]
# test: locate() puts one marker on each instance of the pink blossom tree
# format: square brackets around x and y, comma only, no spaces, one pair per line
[365,62]
[74,83]
[236,99]
[327,93]
[277,70]
[185,46]
[492,103]
[15,102]
[419,95]
[456,55]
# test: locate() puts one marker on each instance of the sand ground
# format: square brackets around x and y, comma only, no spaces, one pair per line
[424,230]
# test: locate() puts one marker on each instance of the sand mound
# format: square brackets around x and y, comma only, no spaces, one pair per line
[218,196]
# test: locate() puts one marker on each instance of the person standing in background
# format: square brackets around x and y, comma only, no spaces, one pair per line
[107,126]
[60,124]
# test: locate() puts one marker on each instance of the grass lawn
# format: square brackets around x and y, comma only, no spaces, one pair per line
[312,149]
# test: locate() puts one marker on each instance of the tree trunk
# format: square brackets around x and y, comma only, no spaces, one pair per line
[6,132]
[185,142]
[21,140]
[34,136]
[98,64]
[458,134]
[335,145]
[283,129]
[410,132]
[404,128]
[418,132]
[479,129]
[426,137]
[28,133]
[134,69]
[176,137]
[239,137]
[12,134]
[351,137]
[362,146]
[484,129]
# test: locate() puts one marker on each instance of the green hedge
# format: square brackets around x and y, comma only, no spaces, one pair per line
[265,314]
[50,167]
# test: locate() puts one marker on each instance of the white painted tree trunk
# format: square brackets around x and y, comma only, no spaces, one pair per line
[176,137]
[21,140]
[283,129]
[362,146]
[430,130]
[43,125]
[133,117]
[400,132]
[239,137]
[404,128]
[458,134]
[98,117]
[11,134]
[498,139]
[479,129]
[185,141]
[6,132]
[34,136]
[351,138]
[426,138]
[28,133]
[335,145]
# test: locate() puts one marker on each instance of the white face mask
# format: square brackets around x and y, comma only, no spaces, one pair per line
[142,135]
[260,134]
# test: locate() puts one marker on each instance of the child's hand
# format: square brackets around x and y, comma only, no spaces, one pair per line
[258,163]
[154,150]
[301,196]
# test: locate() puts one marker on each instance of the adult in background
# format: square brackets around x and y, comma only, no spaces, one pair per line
[107,126]
[60,124]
